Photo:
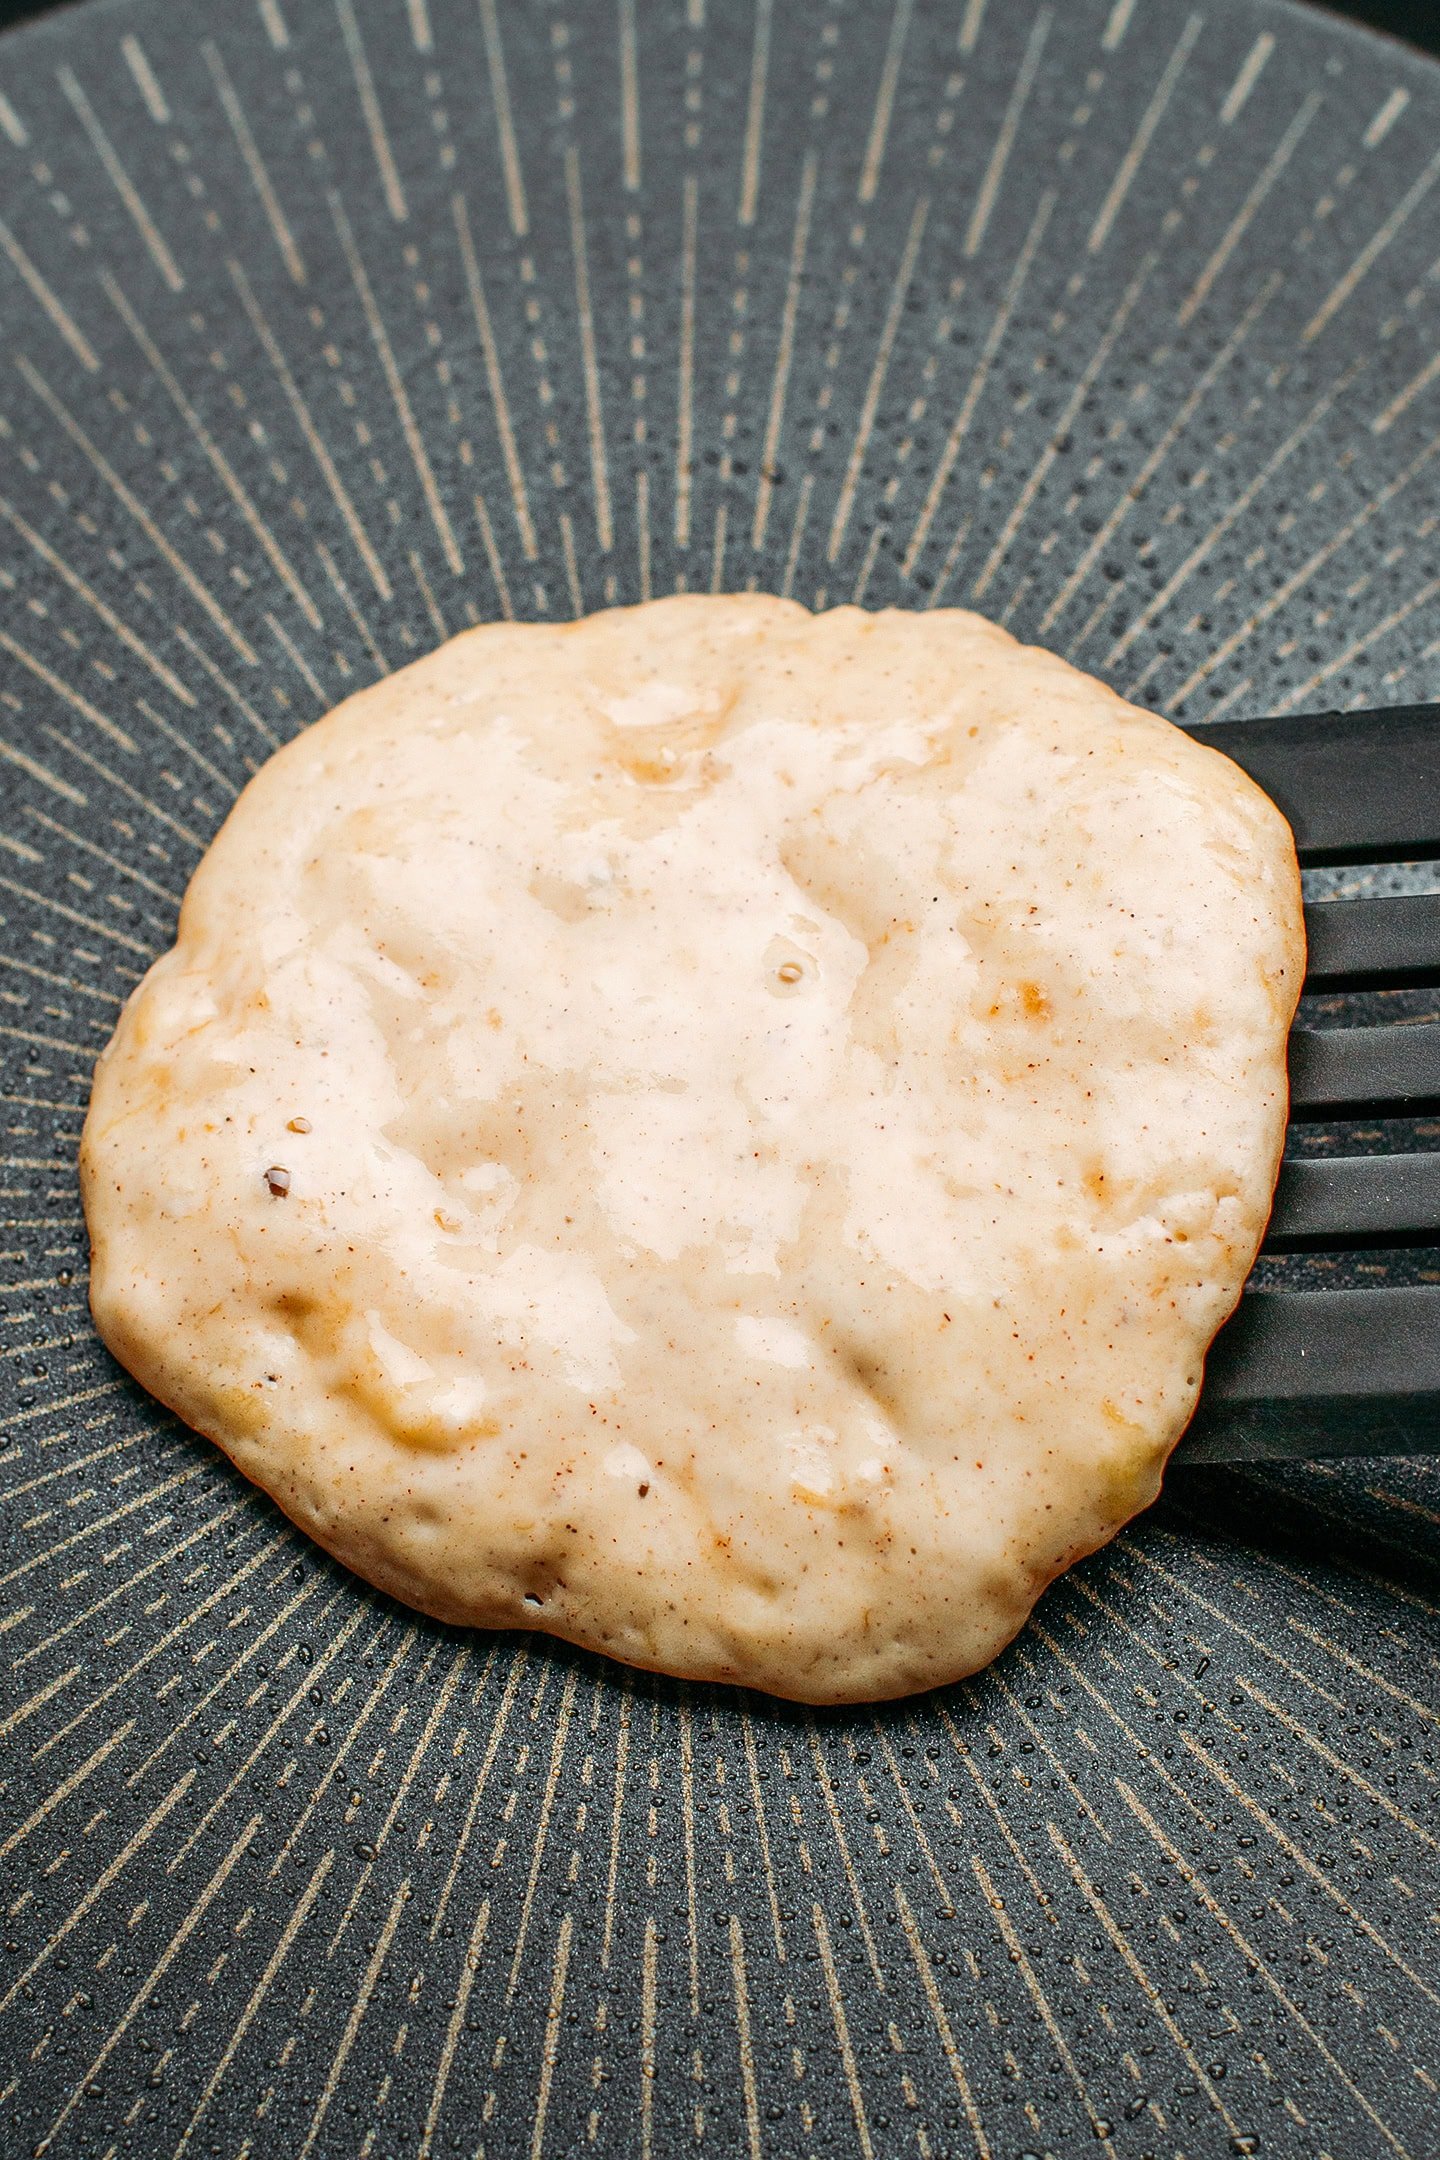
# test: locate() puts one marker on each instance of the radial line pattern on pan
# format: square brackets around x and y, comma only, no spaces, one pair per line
[1122,319]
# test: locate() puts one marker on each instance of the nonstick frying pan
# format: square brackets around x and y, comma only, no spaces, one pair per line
[328,327]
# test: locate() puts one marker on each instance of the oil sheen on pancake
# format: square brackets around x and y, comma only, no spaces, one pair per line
[718,1132]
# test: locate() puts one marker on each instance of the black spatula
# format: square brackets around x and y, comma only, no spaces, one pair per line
[1308,1372]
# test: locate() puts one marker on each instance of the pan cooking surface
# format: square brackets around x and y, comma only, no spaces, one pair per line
[328,329]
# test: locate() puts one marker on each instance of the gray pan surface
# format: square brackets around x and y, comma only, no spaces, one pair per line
[330,326]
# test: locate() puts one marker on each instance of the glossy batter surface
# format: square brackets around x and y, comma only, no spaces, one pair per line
[718,1132]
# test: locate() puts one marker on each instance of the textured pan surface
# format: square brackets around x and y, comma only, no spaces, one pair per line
[325,330]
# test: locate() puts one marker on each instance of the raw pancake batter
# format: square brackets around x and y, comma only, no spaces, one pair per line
[718,1132]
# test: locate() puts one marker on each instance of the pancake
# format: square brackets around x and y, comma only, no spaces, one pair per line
[721,1133]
